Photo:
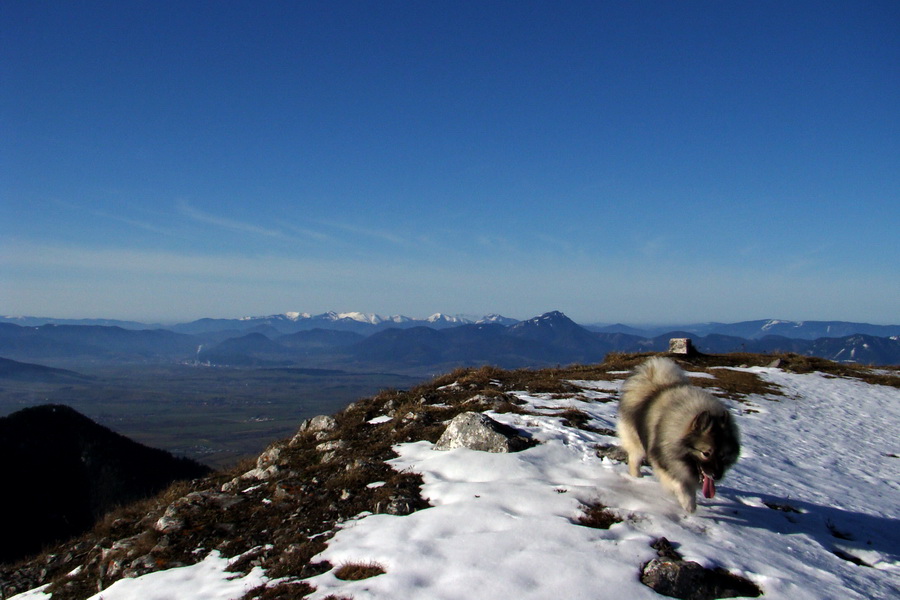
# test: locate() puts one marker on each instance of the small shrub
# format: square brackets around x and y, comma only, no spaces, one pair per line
[357,571]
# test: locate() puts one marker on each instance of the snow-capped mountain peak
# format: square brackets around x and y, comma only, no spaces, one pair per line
[778,322]
[496,319]
[296,316]
[442,318]
[549,319]
[370,318]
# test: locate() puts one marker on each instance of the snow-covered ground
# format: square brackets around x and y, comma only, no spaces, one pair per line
[819,473]
[503,525]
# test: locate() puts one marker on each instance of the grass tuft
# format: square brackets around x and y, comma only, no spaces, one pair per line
[285,590]
[357,571]
[598,516]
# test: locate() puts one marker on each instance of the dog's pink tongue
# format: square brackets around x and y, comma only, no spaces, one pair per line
[709,486]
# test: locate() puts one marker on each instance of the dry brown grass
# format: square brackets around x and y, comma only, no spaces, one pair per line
[285,590]
[737,385]
[578,419]
[357,571]
[598,516]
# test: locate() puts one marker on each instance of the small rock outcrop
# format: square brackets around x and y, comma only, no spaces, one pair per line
[477,431]
[319,427]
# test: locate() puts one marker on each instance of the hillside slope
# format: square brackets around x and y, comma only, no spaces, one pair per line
[12,370]
[64,472]
[808,512]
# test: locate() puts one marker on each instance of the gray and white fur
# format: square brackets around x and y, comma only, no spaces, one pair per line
[686,434]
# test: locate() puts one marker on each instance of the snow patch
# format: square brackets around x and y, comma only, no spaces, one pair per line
[207,580]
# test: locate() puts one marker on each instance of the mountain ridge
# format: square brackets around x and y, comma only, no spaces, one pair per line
[13,370]
[371,469]
[551,338]
[362,322]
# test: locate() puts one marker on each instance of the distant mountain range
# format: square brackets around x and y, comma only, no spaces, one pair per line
[400,344]
[368,323]
[754,330]
[289,322]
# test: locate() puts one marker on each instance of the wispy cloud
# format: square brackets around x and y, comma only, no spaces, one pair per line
[378,234]
[312,234]
[62,279]
[136,223]
[119,217]
[200,216]
[75,261]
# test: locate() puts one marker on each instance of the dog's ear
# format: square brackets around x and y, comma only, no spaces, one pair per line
[702,422]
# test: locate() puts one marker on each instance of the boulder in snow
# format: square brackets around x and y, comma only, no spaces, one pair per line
[477,431]
[689,580]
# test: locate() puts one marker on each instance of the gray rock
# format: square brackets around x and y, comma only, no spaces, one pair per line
[612,452]
[267,467]
[259,474]
[316,425]
[691,581]
[181,510]
[397,505]
[169,523]
[331,449]
[269,457]
[319,423]
[477,431]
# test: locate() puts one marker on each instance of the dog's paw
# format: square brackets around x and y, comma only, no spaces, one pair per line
[688,503]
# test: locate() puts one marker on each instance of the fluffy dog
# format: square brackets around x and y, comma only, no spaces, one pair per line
[686,434]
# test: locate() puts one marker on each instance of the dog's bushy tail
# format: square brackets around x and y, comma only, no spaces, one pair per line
[655,373]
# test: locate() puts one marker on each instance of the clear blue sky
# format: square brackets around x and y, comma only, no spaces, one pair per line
[619,161]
